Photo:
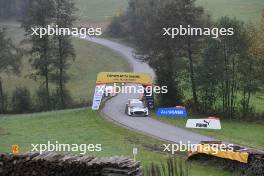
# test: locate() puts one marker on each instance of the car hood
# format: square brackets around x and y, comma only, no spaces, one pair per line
[138,109]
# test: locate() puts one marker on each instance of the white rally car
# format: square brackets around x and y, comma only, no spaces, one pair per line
[136,107]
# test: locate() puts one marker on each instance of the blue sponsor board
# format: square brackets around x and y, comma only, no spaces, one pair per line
[171,112]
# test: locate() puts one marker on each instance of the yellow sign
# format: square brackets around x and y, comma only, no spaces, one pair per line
[238,156]
[15,149]
[121,77]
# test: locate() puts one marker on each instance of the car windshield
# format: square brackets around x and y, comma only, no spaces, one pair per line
[140,105]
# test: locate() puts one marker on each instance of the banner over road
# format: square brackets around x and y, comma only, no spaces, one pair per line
[123,77]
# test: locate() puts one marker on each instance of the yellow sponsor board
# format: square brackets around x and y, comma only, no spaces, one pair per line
[232,155]
[122,77]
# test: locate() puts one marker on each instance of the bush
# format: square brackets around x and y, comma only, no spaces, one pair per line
[115,28]
[21,100]
[55,100]
[4,106]
[172,167]
[41,99]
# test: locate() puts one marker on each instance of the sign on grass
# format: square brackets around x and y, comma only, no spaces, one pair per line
[210,123]
[172,112]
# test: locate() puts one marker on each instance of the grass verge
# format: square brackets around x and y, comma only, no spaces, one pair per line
[242,133]
[85,126]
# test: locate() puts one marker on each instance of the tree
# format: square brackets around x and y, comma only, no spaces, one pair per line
[229,53]
[21,100]
[252,66]
[208,76]
[12,8]
[195,17]
[40,14]
[9,62]
[7,8]
[64,50]
[146,21]
[162,54]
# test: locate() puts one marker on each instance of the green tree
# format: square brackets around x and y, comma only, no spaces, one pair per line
[21,100]
[208,76]
[64,50]
[251,67]
[12,8]
[9,62]
[146,21]
[195,17]
[229,53]
[162,54]
[40,14]
[234,48]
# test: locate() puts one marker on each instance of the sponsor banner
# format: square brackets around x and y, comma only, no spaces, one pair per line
[98,95]
[123,77]
[172,112]
[210,123]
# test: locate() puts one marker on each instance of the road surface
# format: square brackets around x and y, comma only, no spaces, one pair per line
[115,107]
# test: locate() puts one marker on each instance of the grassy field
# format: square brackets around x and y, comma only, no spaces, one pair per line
[242,9]
[243,133]
[85,126]
[102,10]
[90,59]
[99,11]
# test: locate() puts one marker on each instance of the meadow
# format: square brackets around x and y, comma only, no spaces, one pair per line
[235,132]
[90,60]
[99,11]
[84,126]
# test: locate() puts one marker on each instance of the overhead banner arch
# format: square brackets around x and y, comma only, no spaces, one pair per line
[104,78]
[123,77]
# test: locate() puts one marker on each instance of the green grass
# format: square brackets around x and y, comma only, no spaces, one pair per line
[103,10]
[243,133]
[99,10]
[85,126]
[242,9]
[90,60]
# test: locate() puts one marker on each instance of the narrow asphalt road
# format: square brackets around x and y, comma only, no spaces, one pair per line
[115,107]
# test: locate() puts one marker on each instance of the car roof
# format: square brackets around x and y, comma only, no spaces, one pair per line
[135,101]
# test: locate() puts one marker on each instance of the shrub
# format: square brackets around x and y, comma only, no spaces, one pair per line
[56,102]
[172,167]
[41,99]
[21,100]
[3,103]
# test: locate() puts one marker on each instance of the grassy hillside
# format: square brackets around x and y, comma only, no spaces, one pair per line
[85,127]
[102,10]
[243,133]
[241,9]
[90,59]
[99,10]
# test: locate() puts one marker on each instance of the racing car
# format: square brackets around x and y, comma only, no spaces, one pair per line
[136,107]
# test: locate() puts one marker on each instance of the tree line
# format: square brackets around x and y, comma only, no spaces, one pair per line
[220,75]
[12,8]
[50,56]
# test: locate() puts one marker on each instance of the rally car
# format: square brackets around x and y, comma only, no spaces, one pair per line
[136,107]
